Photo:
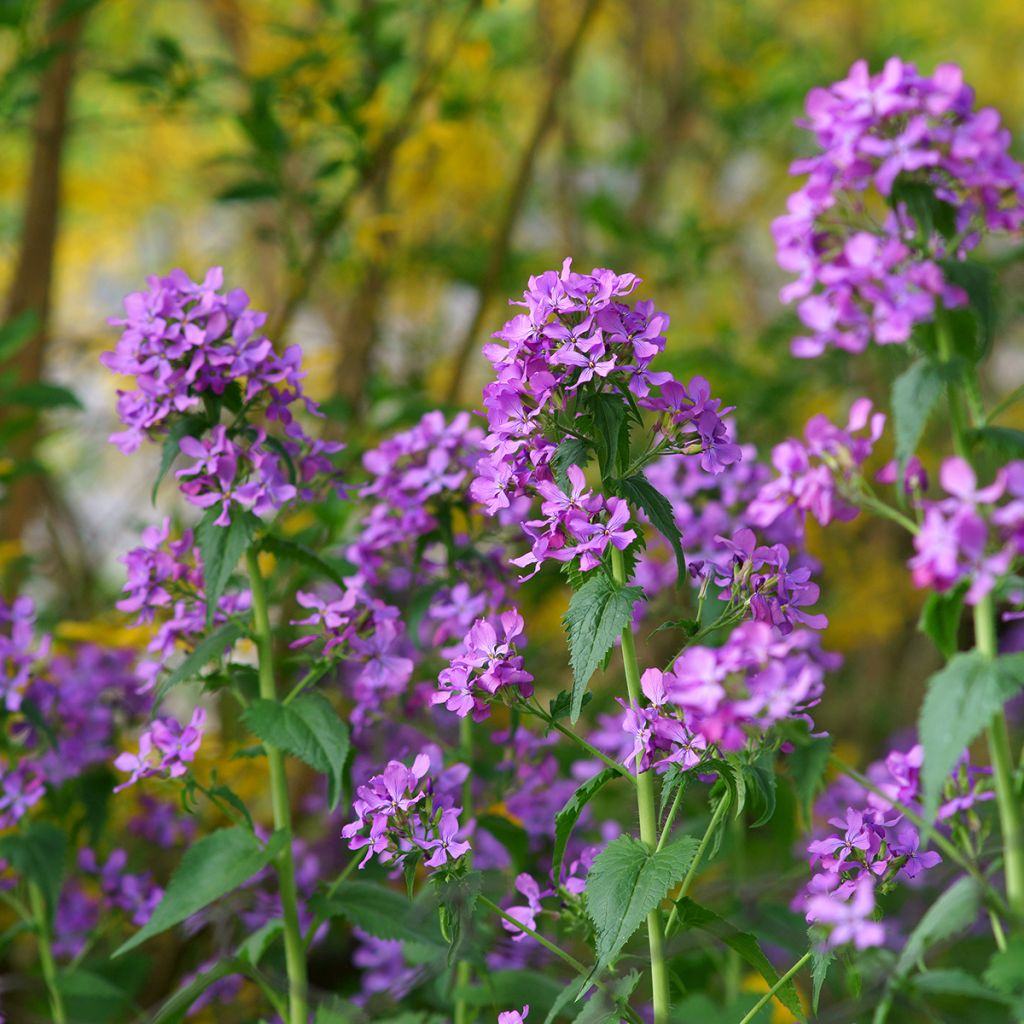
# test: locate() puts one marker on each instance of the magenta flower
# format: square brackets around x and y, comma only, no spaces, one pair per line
[514,1016]
[446,846]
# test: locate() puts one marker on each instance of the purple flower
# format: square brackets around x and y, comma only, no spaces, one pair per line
[847,916]
[446,846]
[514,1016]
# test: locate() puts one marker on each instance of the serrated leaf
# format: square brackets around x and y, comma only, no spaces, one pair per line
[211,646]
[221,548]
[940,619]
[571,452]
[915,393]
[382,912]
[951,981]
[307,728]
[291,551]
[961,701]
[608,414]
[953,912]
[693,915]
[821,961]
[626,882]
[36,853]
[596,616]
[567,817]
[560,705]
[1005,971]
[212,867]
[640,492]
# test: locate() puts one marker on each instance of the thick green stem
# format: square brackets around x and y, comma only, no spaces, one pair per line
[767,997]
[294,947]
[648,815]
[1010,823]
[46,961]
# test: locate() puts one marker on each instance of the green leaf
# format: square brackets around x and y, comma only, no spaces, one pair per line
[1005,442]
[382,912]
[807,763]
[221,548]
[307,728]
[15,333]
[759,776]
[940,619]
[213,866]
[41,394]
[979,282]
[254,948]
[246,191]
[597,614]
[560,705]
[566,997]
[953,912]
[640,492]
[821,961]
[290,551]
[36,853]
[457,901]
[952,981]
[567,817]
[91,998]
[599,1009]
[961,701]
[627,881]
[693,915]
[1005,971]
[211,646]
[571,452]
[608,413]
[512,836]
[929,212]
[915,393]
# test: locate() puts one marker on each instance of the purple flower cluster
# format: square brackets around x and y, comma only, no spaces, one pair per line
[166,748]
[811,474]
[403,811]
[166,575]
[21,652]
[21,788]
[967,536]
[872,844]
[858,278]
[718,696]
[186,344]
[483,666]
[577,339]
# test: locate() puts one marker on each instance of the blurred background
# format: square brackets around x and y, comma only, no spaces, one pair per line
[381,176]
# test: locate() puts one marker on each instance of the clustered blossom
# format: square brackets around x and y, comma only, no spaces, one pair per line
[20,650]
[186,344]
[873,844]
[579,339]
[483,666]
[968,537]
[862,276]
[418,529]
[718,696]
[166,748]
[166,576]
[368,634]
[811,474]
[403,811]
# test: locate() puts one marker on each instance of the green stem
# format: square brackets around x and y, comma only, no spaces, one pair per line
[698,857]
[592,750]
[567,958]
[1007,803]
[647,813]
[184,998]
[672,812]
[294,948]
[463,973]
[766,998]
[46,961]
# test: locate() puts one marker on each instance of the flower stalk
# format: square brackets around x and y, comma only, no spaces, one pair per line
[647,812]
[46,961]
[294,946]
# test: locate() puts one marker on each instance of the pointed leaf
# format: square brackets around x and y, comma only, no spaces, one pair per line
[221,548]
[640,492]
[915,393]
[567,817]
[211,646]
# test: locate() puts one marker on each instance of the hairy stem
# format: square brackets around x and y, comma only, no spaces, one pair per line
[46,961]
[294,947]
[647,812]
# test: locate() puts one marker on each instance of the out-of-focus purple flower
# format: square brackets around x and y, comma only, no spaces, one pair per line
[525,913]
[847,915]
[860,276]
[514,1016]
[167,746]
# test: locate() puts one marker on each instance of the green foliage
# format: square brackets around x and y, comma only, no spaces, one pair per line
[693,915]
[940,619]
[382,912]
[961,701]
[567,817]
[626,882]
[821,961]
[1003,442]
[807,763]
[308,728]
[456,897]
[36,853]
[213,645]
[596,616]
[915,393]
[953,912]
[213,866]
[641,493]
[292,551]
[571,452]
[221,548]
